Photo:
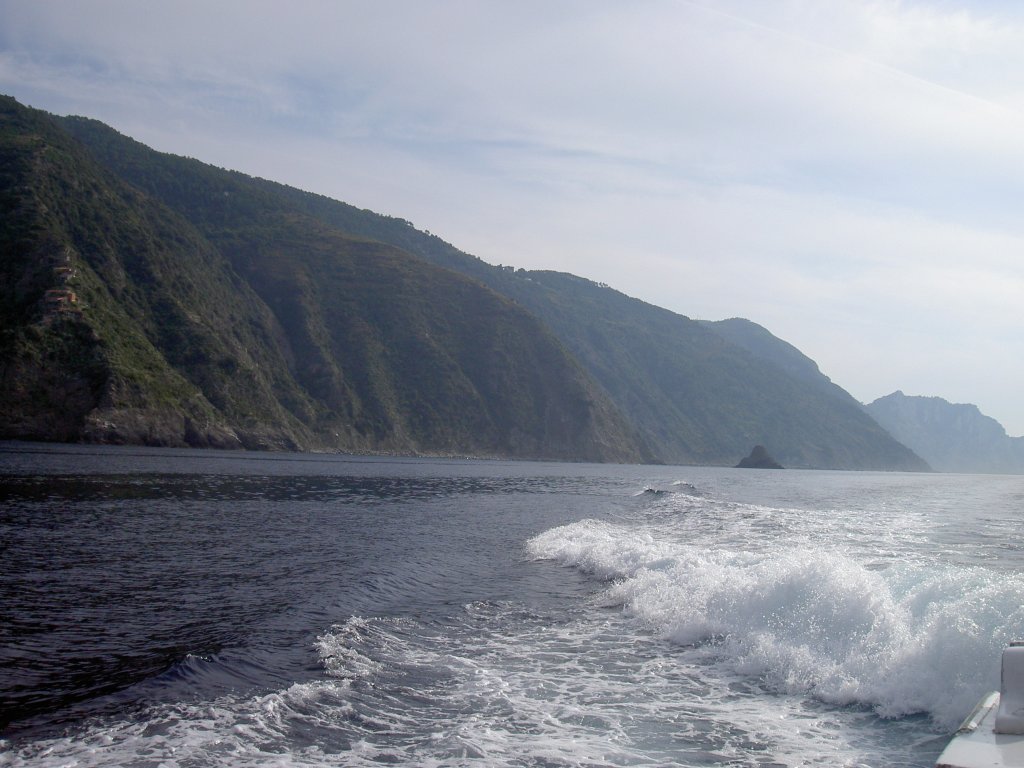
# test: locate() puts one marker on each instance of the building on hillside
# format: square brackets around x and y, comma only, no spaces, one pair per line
[60,302]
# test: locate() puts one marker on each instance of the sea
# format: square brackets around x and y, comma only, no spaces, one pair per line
[164,607]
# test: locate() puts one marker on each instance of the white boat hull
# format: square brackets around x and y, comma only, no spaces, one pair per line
[992,736]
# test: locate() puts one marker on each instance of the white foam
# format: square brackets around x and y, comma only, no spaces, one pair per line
[722,601]
[900,639]
[498,686]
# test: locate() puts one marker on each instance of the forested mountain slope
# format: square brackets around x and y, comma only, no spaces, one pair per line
[322,325]
[695,394]
[126,321]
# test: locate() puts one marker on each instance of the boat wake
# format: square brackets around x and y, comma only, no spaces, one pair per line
[901,640]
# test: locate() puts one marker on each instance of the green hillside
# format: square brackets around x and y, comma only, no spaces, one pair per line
[276,317]
[699,396]
[124,321]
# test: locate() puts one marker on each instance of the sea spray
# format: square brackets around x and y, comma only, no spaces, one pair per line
[901,639]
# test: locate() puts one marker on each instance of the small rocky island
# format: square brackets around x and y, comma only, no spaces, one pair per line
[758,459]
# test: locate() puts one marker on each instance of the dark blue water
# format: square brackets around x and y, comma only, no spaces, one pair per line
[123,566]
[207,608]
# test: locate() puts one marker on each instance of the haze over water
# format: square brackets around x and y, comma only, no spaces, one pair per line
[204,608]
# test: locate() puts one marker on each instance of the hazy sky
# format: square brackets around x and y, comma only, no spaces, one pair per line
[847,173]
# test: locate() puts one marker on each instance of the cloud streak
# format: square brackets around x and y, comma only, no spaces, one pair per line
[846,174]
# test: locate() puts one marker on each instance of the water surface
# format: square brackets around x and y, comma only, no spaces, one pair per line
[222,608]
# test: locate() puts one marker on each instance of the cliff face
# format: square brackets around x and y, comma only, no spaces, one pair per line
[124,321]
[952,437]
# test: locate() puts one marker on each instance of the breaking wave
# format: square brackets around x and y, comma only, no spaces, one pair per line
[902,640]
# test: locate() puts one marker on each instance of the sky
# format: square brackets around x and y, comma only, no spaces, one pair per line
[847,173]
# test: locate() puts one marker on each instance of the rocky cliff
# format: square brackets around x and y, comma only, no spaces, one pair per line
[951,437]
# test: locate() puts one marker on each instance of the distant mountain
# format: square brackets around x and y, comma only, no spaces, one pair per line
[951,437]
[225,310]
[697,396]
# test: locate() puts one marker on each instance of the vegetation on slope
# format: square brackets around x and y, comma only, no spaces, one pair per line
[698,392]
[274,317]
[258,326]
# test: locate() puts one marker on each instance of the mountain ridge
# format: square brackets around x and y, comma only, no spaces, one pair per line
[951,437]
[346,367]
[279,334]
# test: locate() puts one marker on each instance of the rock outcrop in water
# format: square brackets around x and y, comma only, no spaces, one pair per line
[758,459]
